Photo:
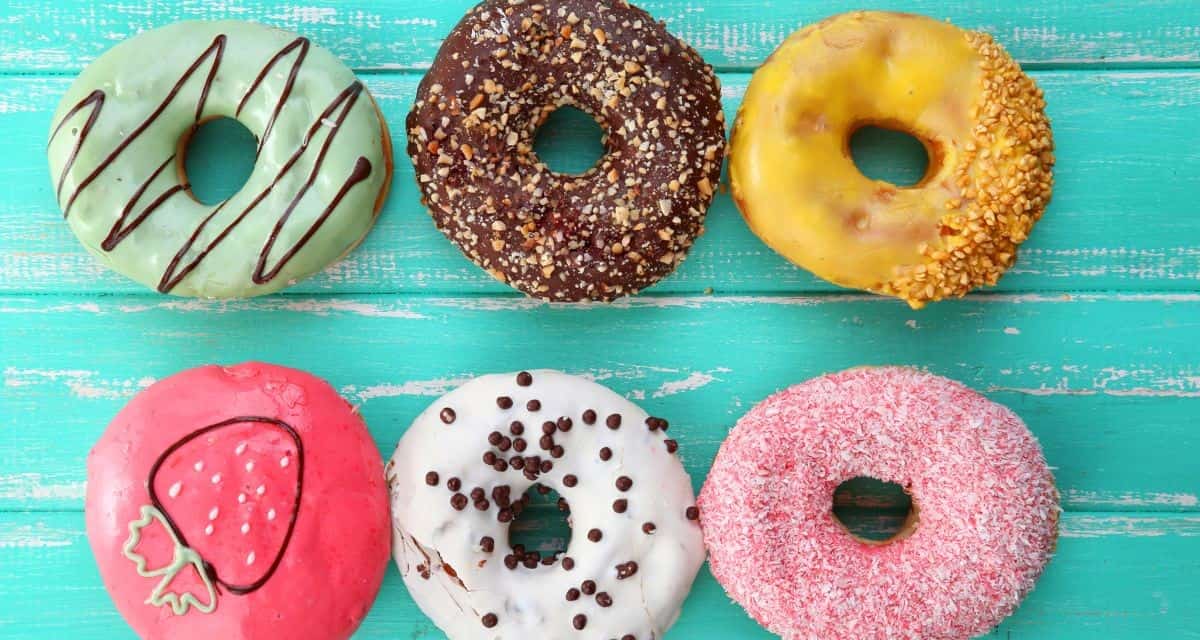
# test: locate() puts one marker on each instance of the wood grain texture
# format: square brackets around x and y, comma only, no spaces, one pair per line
[1103,399]
[1130,144]
[732,34]
[1092,338]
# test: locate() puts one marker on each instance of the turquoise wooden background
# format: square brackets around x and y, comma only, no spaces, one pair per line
[1094,337]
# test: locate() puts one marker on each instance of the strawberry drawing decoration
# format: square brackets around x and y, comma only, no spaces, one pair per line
[223,505]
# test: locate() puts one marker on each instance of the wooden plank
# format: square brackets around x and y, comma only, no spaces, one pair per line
[405,34]
[1129,148]
[1114,576]
[1109,383]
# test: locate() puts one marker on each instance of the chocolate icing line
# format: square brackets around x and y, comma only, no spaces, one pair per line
[94,98]
[119,231]
[209,570]
[302,44]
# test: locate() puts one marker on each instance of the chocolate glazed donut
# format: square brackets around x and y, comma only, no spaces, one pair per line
[622,225]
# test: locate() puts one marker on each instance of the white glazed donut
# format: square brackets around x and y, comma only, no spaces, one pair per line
[636,546]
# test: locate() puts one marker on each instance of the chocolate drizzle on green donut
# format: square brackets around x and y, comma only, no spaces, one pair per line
[179,267]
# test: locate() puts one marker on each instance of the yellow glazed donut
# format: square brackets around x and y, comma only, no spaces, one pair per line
[981,119]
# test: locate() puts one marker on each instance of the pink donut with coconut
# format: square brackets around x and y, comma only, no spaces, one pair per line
[240,503]
[985,504]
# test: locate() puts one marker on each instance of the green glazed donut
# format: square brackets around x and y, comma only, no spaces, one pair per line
[116,157]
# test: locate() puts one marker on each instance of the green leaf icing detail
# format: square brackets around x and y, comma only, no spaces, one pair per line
[181,559]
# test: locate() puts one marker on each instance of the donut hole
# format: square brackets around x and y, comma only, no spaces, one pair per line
[541,526]
[218,158]
[569,141]
[890,154]
[873,511]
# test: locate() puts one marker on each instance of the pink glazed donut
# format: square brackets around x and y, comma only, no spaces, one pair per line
[986,505]
[240,503]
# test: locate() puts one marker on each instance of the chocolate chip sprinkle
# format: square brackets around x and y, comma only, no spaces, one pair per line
[448,415]
[579,621]
[431,478]
[477,493]
[568,563]
[500,465]
[454,484]
[624,483]
[570,480]
[533,405]
[489,620]
[519,445]
[672,446]
[565,424]
[594,535]
[605,453]
[626,570]
[487,544]
[628,636]
[648,528]
[588,587]
[546,466]
[546,443]
[654,424]
[495,437]
[603,599]
[458,501]
[516,428]
[620,505]
[489,458]
[572,594]
[504,402]
[524,379]
[505,515]
[557,451]
[613,421]
[510,562]
[589,417]
[692,513]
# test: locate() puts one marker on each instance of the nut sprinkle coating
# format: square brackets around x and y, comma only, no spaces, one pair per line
[611,231]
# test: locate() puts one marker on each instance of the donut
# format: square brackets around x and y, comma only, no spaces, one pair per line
[242,503]
[459,476]
[981,119]
[611,231]
[120,133]
[986,509]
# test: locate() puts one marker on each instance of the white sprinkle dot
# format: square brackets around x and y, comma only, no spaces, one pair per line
[283,462]
[212,515]
[199,466]
[208,530]
[270,514]
[261,489]
[216,479]
[245,528]
[241,448]
[241,498]
[175,489]
[250,558]
[250,466]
